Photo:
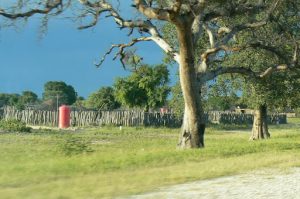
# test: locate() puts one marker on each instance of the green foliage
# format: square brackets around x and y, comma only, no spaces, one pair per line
[270,46]
[144,88]
[218,95]
[222,94]
[18,101]
[176,102]
[256,91]
[9,99]
[14,126]
[292,90]
[73,145]
[80,103]
[66,93]
[276,92]
[131,60]
[276,35]
[102,99]
[28,97]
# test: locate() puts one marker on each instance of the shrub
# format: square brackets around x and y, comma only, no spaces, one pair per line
[14,126]
[74,146]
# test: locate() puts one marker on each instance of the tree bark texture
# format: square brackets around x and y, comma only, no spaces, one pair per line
[260,128]
[193,126]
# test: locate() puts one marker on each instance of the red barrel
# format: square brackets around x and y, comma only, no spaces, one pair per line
[64,117]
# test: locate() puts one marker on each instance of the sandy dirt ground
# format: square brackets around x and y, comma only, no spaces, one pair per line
[266,184]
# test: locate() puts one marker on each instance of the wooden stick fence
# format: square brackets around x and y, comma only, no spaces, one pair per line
[32,117]
[242,118]
[125,118]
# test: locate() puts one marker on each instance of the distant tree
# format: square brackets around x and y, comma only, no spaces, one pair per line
[54,90]
[294,90]
[3,99]
[9,99]
[176,101]
[80,103]
[28,97]
[102,99]
[13,99]
[222,94]
[145,88]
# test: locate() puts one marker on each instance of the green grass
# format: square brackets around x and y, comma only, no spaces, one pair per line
[107,162]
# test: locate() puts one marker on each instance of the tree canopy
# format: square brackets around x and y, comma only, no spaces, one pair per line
[103,99]
[222,95]
[58,90]
[29,97]
[17,100]
[147,87]
[9,99]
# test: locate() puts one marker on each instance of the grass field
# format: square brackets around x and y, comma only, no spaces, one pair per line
[108,162]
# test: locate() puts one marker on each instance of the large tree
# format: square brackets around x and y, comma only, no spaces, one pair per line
[277,94]
[269,46]
[216,23]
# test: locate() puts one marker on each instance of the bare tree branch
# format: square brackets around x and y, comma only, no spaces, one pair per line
[48,7]
[238,28]
[93,23]
[295,60]
[228,70]
[205,56]
[142,25]
[198,8]
[156,13]
[166,47]
[197,28]
[177,6]
[222,30]
[121,52]
[250,73]
[259,44]
[211,35]
[234,9]
[283,67]
[270,70]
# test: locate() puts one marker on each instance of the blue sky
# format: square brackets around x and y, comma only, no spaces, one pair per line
[64,54]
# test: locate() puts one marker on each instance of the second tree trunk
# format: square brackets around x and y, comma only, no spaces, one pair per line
[260,128]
